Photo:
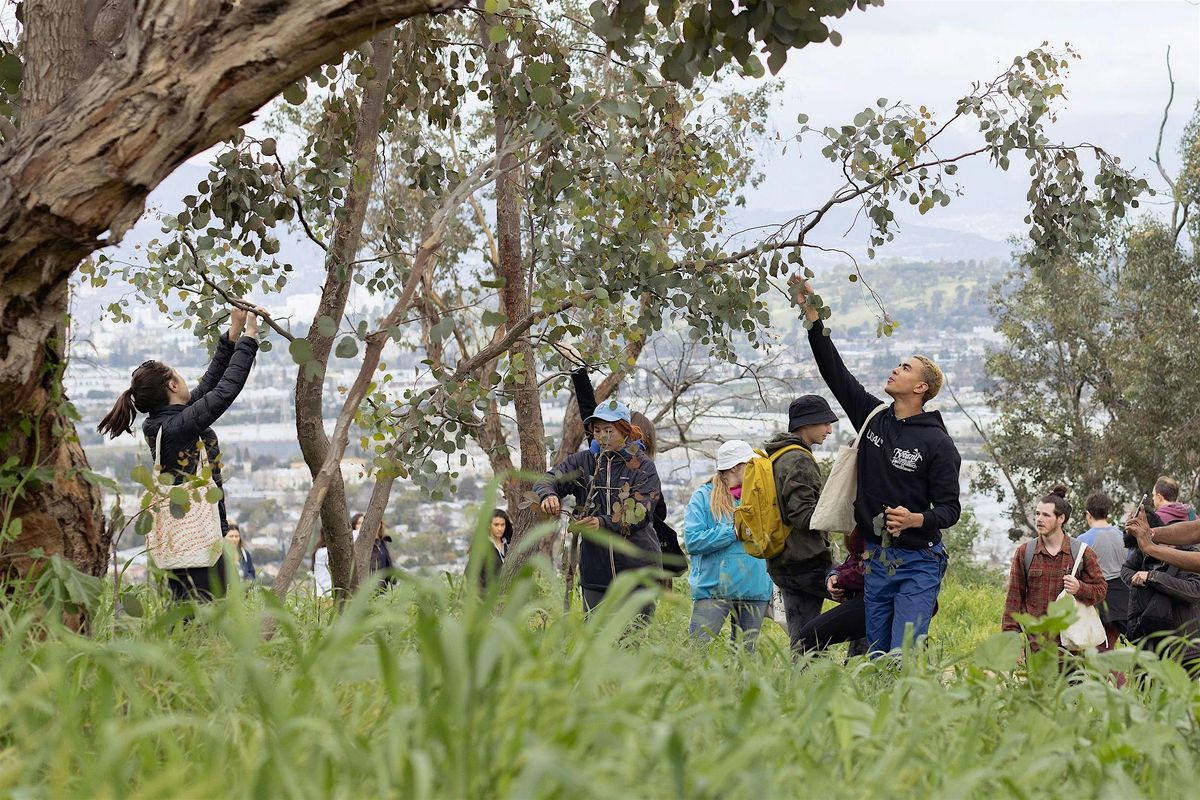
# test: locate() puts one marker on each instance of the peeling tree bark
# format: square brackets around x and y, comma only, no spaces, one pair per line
[185,75]
[339,274]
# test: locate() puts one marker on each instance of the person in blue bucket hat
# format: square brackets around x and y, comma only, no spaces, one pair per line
[616,488]
[674,562]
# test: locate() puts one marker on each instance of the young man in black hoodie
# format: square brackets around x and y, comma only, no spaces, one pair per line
[907,485]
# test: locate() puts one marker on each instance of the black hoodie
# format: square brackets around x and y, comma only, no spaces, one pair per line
[909,462]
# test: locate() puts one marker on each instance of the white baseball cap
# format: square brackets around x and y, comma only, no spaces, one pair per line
[732,453]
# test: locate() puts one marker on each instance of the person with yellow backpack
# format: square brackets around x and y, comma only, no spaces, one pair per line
[780,491]
[724,580]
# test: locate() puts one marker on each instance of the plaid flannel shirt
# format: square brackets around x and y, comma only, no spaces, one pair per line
[1033,593]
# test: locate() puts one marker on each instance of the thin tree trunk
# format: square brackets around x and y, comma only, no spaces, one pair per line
[331,467]
[339,274]
[76,179]
[531,431]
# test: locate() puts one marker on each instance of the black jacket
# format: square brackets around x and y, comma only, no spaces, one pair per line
[246,565]
[183,426]
[908,462]
[627,474]
[798,487]
[674,561]
[1170,600]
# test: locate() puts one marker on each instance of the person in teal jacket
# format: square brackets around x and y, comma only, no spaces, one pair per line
[725,581]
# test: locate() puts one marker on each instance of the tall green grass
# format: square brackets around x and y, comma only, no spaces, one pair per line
[429,691]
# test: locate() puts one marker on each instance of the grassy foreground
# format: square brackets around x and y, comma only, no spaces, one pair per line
[425,693]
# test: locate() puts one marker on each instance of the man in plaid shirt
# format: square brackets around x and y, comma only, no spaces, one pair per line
[1050,571]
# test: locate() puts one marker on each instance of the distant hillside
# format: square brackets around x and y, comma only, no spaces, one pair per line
[951,294]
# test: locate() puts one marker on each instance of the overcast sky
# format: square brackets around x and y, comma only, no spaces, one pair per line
[928,52]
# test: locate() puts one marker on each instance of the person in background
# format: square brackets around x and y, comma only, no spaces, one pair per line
[179,421]
[802,568]
[847,621]
[245,562]
[381,556]
[322,579]
[725,581]
[1032,591]
[1109,544]
[500,532]
[674,562]
[1166,502]
[616,490]
[1164,600]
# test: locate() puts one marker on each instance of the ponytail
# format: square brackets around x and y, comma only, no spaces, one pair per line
[120,419]
[631,433]
[147,392]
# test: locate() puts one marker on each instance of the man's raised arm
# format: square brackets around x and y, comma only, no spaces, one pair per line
[856,401]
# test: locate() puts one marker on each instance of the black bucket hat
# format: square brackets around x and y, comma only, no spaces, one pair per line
[810,409]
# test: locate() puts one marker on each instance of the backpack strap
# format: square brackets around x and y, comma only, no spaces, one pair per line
[1027,555]
[787,449]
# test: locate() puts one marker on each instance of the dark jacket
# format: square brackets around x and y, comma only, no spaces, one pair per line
[610,479]
[674,561]
[1169,601]
[246,565]
[908,462]
[183,426]
[493,565]
[797,486]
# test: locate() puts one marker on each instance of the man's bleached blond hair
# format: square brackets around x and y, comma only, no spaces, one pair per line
[931,375]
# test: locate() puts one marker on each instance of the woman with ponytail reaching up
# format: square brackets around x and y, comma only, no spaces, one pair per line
[180,420]
[616,489]
[1036,578]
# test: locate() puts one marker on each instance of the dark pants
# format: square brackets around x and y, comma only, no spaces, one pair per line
[592,598]
[846,622]
[201,584]
[803,595]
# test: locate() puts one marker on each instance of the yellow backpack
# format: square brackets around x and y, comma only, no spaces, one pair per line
[757,520]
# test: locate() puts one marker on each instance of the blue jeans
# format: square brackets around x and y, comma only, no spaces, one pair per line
[901,587]
[708,617]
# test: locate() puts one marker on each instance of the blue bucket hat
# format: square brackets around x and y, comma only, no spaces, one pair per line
[610,411]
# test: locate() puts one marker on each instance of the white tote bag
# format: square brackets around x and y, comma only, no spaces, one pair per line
[835,507]
[1087,631]
[193,540]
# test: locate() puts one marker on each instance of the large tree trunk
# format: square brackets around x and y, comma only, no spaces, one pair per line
[185,76]
[63,515]
[339,273]
[531,431]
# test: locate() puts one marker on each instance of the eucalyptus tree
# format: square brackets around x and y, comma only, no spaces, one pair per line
[101,100]
[1095,378]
